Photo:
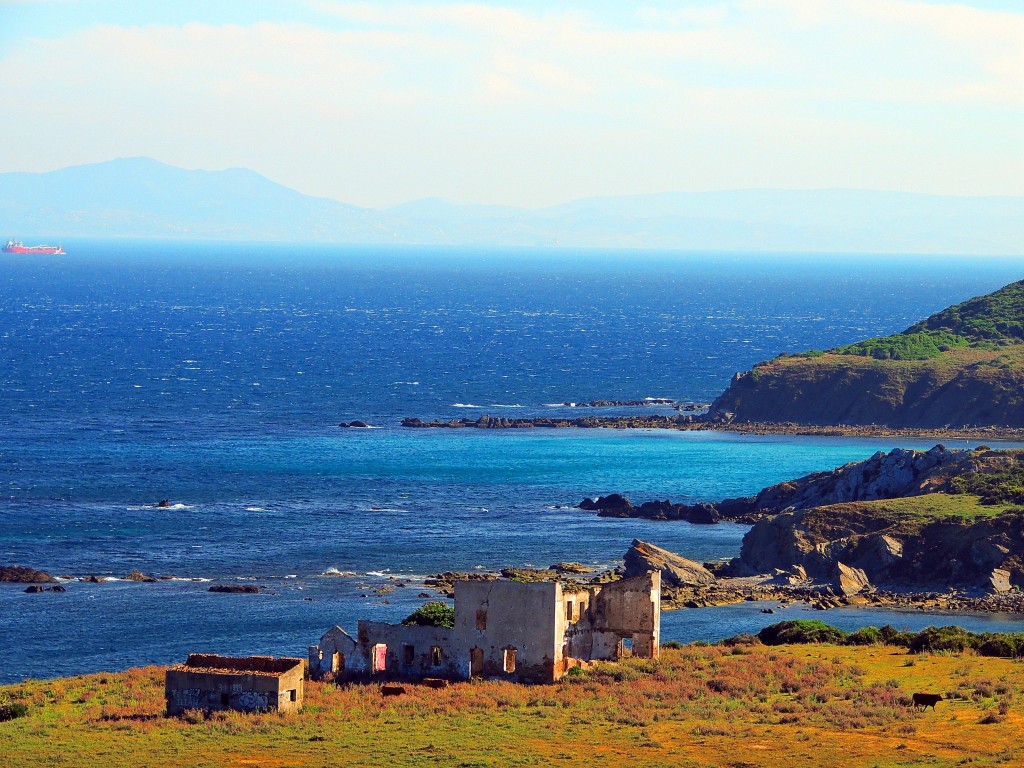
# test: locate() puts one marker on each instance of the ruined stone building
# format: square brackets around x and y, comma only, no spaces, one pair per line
[527,632]
[247,684]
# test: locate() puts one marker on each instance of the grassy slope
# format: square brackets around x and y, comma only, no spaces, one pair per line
[752,706]
[913,512]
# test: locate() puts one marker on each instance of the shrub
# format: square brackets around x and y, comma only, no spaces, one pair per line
[1007,646]
[671,644]
[892,636]
[12,712]
[922,345]
[865,636]
[944,639]
[744,638]
[432,614]
[800,631]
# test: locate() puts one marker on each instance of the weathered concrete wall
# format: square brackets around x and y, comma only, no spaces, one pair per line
[333,654]
[411,652]
[515,617]
[207,689]
[623,618]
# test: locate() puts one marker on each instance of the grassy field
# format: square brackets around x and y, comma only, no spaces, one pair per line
[915,511]
[741,707]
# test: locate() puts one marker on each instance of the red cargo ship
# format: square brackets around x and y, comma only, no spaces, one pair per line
[16,246]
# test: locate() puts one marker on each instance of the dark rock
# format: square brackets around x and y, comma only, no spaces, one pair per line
[236,589]
[359,424]
[702,514]
[35,588]
[163,504]
[138,575]
[18,574]
[57,588]
[93,579]
[614,505]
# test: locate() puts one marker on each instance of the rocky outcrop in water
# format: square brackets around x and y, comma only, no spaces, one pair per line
[617,505]
[676,571]
[19,574]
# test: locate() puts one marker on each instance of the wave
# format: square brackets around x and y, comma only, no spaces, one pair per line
[388,574]
[140,507]
[387,509]
[465,405]
[335,572]
[501,405]
[256,509]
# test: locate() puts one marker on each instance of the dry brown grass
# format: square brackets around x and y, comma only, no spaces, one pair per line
[700,706]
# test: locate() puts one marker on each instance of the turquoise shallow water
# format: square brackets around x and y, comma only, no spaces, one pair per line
[214,376]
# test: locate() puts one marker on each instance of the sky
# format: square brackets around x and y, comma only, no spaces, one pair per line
[527,103]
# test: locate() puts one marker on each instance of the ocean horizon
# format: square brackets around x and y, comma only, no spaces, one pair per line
[214,376]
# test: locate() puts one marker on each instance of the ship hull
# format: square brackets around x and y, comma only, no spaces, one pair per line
[39,249]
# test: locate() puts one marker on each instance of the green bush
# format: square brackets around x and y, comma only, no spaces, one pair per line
[12,711]
[865,636]
[432,614]
[800,631]
[1003,487]
[944,639]
[995,316]
[905,346]
[1008,645]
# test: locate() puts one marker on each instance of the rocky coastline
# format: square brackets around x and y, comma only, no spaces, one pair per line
[697,423]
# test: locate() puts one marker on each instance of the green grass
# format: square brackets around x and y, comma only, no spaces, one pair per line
[721,706]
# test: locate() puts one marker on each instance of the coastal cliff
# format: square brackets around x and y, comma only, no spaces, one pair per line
[919,519]
[962,367]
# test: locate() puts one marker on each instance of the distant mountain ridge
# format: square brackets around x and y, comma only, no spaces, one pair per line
[141,197]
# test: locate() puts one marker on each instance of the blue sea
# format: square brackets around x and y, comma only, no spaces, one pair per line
[215,375]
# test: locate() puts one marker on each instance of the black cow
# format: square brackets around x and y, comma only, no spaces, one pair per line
[925,700]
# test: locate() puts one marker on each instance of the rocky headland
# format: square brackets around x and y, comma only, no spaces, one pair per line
[962,368]
[939,528]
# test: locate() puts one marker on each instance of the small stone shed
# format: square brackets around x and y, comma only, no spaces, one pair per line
[247,684]
[525,632]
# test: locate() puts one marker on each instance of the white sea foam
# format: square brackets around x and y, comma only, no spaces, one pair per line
[500,405]
[335,572]
[256,509]
[140,507]
[465,405]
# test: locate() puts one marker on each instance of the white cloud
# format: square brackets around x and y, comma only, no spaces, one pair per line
[389,102]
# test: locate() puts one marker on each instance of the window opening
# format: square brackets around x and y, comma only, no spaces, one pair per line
[510,659]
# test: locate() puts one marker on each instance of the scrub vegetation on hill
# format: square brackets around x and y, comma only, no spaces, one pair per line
[724,706]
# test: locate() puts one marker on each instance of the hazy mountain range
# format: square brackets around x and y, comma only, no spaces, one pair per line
[143,198]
